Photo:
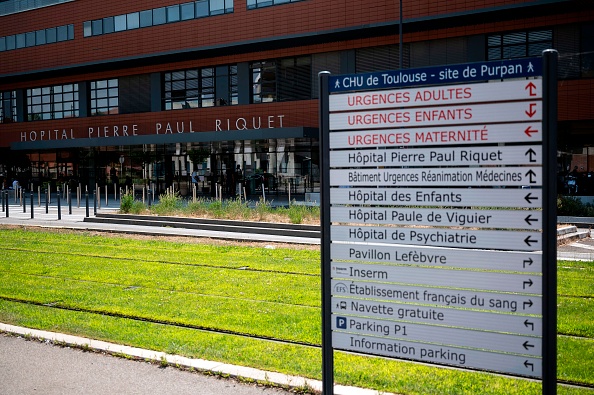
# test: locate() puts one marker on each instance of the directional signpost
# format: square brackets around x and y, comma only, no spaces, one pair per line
[438,241]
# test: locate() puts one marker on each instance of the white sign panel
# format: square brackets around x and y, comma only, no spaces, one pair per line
[453,177]
[530,132]
[475,156]
[516,261]
[461,197]
[451,115]
[505,219]
[438,95]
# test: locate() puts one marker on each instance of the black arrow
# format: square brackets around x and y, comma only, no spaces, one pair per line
[529,324]
[529,283]
[528,345]
[531,153]
[528,261]
[529,219]
[529,240]
[531,174]
[529,303]
[529,198]
[529,365]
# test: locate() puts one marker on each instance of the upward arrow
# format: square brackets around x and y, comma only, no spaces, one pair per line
[532,88]
[531,154]
[531,174]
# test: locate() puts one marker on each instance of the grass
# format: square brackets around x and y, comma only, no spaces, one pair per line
[70,279]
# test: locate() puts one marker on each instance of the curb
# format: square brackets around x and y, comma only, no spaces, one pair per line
[217,368]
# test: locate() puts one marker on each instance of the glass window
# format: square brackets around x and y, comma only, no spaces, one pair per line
[191,88]
[62,33]
[146,18]
[104,97]
[263,82]
[51,35]
[71,31]
[159,16]
[10,42]
[518,44]
[87,30]
[233,84]
[40,37]
[52,102]
[228,6]
[187,11]
[97,27]
[2,44]
[173,13]
[20,40]
[108,25]
[119,23]
[202,8]
[30,39]
[8,98]
[133,20]
[217,7]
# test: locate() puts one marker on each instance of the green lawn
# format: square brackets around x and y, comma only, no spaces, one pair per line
[171,296]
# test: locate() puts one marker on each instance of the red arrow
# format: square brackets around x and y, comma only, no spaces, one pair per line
[532,111]
[529,131]
[532,88]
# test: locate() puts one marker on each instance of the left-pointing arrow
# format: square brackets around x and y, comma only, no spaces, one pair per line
[527,345]
[529,240]
[529,220]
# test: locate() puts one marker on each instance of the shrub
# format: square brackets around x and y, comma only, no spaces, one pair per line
[572,206]
[263,208]
[168,204]
[126,203]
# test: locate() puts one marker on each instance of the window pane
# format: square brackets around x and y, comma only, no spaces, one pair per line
[251,4]
[119,23]
[10,42]
[20,40]
[87,32]
[62,33]
[133,20]
[30,39]
[187,11]
[97,26]
[71,32]
[202,8]
[514,38]
[217,7]
[2,44]
[108,25]
[40,36]
[146,18]
[228,6]
[173,13]
[159,16]
[50,35]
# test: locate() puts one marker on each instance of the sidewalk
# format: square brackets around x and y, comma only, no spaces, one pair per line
[16,216]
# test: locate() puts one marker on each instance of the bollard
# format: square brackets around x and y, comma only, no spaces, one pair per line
[6,194]
[69,204]
[148,192]
[95,199]
[32,216]
[46,201]
[59,207]
[2,196]
[24,201]
[87,203]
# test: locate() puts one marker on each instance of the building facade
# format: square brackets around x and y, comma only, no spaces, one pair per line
[226,90]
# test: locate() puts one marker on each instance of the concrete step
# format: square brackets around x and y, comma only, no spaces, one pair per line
[570,233]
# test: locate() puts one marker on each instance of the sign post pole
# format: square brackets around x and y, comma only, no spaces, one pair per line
[549,272]
[327,349]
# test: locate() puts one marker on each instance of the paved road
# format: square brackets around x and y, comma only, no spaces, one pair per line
[32,367]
